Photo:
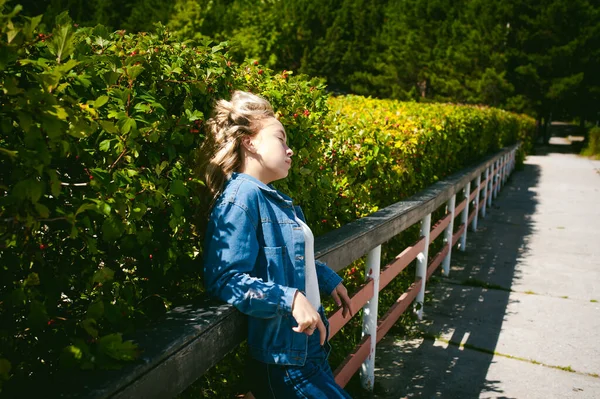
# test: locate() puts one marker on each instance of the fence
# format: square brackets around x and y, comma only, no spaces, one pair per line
[195,337]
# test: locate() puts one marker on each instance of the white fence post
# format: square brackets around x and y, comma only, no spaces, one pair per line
[505,169]
[448,235]
[485,191]
[478,188]
[422,265]
[367,369]
[465,217]
[491,184]
[497,175]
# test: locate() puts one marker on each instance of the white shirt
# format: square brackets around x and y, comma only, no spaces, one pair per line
[310,273]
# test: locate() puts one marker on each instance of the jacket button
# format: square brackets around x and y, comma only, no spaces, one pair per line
[299,257]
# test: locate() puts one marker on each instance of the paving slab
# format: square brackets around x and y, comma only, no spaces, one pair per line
[519,315]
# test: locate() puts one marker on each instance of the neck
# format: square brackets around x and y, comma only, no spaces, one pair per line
[250,168]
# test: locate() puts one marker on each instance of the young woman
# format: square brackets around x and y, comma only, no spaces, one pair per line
[259,254]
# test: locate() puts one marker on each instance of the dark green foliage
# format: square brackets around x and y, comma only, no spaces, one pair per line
[535,57]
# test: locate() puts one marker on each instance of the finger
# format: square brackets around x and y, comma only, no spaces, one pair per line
[322,331]
[347,303]
[304,328]
[336,297]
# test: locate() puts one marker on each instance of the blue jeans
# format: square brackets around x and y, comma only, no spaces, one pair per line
[313,380]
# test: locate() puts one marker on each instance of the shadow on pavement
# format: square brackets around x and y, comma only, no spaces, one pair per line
[466,309]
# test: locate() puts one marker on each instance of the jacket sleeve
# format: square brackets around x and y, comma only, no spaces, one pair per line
[328,279]
[231,250]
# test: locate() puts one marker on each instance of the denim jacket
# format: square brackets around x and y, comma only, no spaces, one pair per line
[254,260]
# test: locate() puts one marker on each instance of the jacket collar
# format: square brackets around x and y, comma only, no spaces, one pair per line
[268,189]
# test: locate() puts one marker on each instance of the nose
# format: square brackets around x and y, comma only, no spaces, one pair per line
[289,152]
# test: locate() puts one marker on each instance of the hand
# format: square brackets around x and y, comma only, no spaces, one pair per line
[308,319]
[341,292]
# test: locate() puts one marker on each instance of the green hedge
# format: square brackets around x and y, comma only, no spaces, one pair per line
[593,146]
[103,211]
[381,151]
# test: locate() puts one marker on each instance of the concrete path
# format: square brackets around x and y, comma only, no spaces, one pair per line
[519,315]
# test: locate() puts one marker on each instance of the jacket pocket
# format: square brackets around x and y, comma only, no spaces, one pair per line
[276,267]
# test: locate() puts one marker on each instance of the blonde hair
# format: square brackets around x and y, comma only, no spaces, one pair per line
[230,123]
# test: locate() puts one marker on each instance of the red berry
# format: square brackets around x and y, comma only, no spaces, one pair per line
[255,62]
[91,177]
[150,256]
[42,247]
[260,71]
[295,116]
[194,130]
[306,112]
[228,63]
[324,221]
[50,322]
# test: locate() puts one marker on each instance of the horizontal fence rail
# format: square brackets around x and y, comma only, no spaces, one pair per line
[191,339]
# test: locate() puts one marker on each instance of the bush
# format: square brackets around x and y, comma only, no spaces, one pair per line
[381,151]
[102,211]
[593,147]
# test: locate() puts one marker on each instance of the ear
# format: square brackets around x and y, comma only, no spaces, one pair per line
[248,144]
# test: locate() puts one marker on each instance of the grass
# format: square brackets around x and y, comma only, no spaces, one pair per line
[594,300]
[473,282]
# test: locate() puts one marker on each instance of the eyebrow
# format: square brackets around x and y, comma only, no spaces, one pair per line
[284,135]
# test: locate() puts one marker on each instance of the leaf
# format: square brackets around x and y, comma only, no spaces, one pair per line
[42,210]
[11,34]
[103,275]
[139,211]
[29,189]
[105,145]
[89,326]
[61,44]
[55,185]
[12,154]
[126,124]
[86,207]
[100,101]
[5,367]
[159,168]
[72,354]
[95,310]
[25,121]
[113,346]
[29,27]
[112,228]
[74,351]
[67,66]
[178,188]
[134,71]
[60,112]
[108,126]
[37,317]
[32,279]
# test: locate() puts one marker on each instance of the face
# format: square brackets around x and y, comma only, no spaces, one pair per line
[270,158]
